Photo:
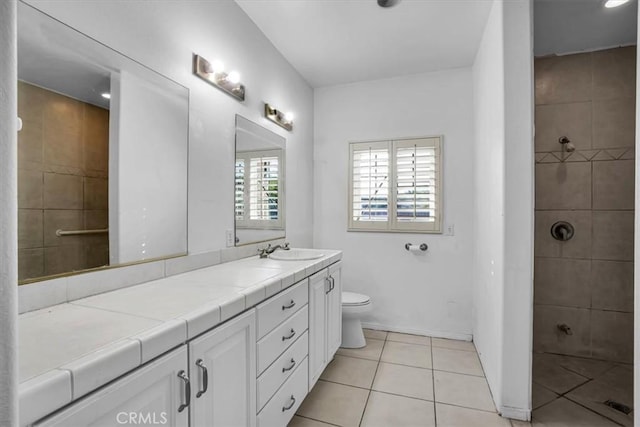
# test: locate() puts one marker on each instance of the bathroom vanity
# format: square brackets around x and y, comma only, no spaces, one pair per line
[236,344]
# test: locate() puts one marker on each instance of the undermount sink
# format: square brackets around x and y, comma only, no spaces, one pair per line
[296,255]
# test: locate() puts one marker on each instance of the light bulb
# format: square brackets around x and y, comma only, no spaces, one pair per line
[106,95]
[217,67]
[288,116]
[615,3]
[233,77]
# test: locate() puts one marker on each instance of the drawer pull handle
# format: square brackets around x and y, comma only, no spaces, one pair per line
[291,305]
[293,402]
[293,363]
[293,332]
[205,377]
[187,390]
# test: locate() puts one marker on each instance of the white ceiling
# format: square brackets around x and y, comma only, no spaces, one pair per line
[570,26]
[341,41]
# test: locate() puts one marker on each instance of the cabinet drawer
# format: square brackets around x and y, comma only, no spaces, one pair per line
[284,404]
[281,338]
[281,369]
[277,309]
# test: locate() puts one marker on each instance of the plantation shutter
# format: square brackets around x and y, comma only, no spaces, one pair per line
[395,185]
[258,189]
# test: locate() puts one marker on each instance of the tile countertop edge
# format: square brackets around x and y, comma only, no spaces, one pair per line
[52,390]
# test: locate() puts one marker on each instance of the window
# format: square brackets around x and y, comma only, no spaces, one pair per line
[396,185]
[258,184]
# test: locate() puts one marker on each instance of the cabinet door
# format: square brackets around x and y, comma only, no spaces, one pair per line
[225,361]
[334,311]
[318,287]
[150,395]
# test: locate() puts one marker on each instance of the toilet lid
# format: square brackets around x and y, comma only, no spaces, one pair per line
[351,298]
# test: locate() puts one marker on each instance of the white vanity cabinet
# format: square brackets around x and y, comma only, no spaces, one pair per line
[325,319]
[222,366]
[152,394]
[282,355]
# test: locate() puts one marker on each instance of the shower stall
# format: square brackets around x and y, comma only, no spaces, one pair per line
[584,236]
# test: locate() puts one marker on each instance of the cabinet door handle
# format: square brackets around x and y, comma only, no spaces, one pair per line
[327,280]
[333,283]
[205,377]
[293,402]
[293,363]
[187,390]
[291,305]
[293,332]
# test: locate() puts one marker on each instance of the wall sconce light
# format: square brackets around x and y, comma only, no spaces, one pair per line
[278,117]
[214,74]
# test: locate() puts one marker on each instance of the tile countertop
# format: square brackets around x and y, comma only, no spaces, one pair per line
[71,349]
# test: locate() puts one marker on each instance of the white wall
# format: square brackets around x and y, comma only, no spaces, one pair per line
[8,217]
[163,36]
[431,293]
[148,179]
[489,171]
[503,202]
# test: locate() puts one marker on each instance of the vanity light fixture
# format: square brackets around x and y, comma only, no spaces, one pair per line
[106,95]
[614,3]
[278,117]
[214,74]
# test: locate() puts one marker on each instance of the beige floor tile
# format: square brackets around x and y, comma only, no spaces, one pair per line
[386,410]
[455,416]
[298,421]
[462,362]
[616,385]
[541,396]
[350,371]
[375,334]
[563,413]
[549,374]
[408,338]
[407,354]
[335,404]
[453,344]
[404,380]
[518,423]
[371,351]
[463,390]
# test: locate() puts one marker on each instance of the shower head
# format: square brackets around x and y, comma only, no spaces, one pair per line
[570,148]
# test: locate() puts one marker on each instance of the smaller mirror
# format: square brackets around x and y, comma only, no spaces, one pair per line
[259,183]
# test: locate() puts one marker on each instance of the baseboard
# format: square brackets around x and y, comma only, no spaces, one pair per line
[515,413]
[436,334]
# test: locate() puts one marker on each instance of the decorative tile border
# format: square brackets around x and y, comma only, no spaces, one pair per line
[586,155]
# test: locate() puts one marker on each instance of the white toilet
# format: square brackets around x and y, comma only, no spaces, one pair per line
[353,307]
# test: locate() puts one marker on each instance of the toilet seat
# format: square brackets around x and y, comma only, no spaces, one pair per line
[352,299]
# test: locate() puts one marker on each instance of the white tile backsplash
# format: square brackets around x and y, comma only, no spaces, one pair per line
[183,264]
[34,296]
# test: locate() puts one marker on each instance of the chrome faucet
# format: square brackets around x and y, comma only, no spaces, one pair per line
[265,252]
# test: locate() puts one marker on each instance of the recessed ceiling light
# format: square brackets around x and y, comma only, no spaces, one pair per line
[615,3]
[106,95]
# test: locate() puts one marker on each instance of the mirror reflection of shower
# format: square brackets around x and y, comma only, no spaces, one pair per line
[567,146]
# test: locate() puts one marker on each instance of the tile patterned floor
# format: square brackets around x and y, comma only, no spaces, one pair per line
[401,380]
[571,391]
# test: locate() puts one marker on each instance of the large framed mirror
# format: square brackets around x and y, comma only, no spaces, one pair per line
[102,156]
[259,183]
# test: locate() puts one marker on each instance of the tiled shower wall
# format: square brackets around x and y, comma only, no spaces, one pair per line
[586,282]
[63,156]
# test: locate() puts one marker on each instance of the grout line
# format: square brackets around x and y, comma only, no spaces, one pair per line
[314,419]
[433,389]
[374,379]
[468,407]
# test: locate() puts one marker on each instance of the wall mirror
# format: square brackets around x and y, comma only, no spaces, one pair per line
[259,183]
[102,156]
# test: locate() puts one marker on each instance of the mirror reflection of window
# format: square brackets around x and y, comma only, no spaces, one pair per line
[258,189]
